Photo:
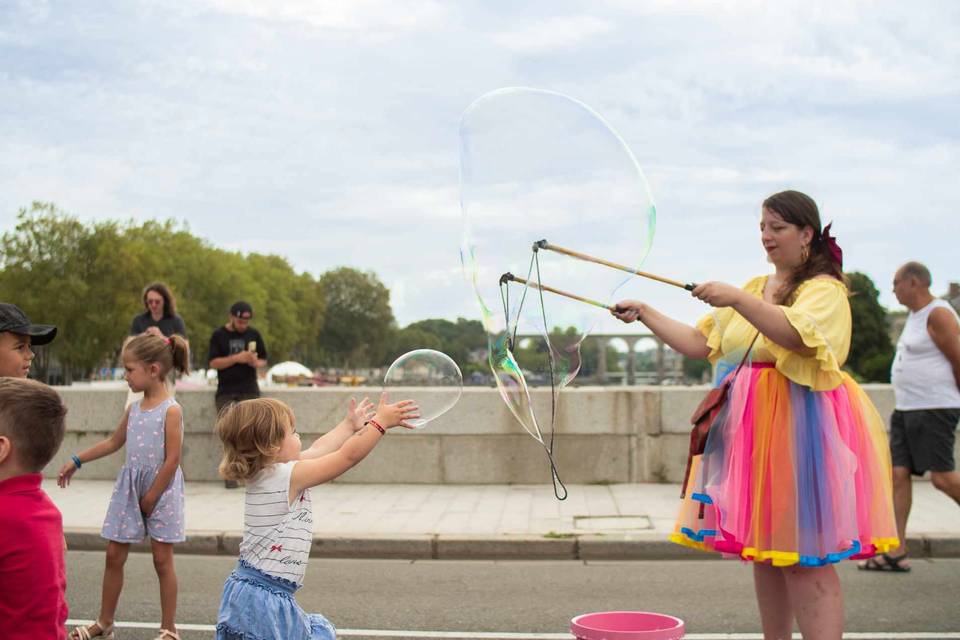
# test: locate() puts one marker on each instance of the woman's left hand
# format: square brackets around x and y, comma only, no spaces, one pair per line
[147,505]
[718,294]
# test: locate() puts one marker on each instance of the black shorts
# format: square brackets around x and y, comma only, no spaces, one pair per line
[922,440]
[224,400]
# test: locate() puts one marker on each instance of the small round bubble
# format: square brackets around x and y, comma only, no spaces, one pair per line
[430,378]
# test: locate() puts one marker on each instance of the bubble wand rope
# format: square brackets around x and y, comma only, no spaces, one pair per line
[555,475]
[543,244]
[559,489]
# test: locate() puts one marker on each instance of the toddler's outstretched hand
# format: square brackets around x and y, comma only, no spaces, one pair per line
[359,414]
[396,414]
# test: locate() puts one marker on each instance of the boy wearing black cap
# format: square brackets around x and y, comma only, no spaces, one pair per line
[17,334]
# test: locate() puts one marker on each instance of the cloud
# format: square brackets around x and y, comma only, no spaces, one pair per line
[399,204]
[328,131]
[367,21]
[552,34]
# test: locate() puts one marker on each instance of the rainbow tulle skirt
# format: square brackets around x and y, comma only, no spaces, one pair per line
[791,476]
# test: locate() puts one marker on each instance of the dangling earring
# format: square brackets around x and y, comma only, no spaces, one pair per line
[804,253]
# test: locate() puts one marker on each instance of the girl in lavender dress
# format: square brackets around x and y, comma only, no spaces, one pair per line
[147,499]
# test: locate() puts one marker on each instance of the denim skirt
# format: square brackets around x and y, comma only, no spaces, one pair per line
[257,606]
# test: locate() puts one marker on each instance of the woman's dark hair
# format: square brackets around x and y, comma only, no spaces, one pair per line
[169,302]
[799,209]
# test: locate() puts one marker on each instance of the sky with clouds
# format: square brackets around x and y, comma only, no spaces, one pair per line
[327,132]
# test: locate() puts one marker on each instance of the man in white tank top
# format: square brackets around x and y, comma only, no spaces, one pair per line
[926,383]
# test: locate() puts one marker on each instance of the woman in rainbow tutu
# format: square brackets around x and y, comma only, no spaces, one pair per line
[795,475]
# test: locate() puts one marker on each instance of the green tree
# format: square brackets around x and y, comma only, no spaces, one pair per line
[276,289]
[533,356]
[358,322]
[694,369]
[204,279]
[459,339]
[871,351]
[412,337]
[311,311]
[88,278]
[207,280]
[68,274]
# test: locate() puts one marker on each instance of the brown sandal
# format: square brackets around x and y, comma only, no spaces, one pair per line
[890,564]
[83,632]
[166,634]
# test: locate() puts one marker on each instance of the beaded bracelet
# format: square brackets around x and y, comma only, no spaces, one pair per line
[379,428]
[76,461]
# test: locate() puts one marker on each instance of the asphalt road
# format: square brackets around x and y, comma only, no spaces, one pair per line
[531,597]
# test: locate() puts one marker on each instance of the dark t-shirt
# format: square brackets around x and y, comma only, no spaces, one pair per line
[237,378]
[168,325]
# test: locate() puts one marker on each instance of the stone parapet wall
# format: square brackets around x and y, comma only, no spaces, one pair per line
[604,435]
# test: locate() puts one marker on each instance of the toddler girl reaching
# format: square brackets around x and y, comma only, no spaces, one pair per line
[262,448]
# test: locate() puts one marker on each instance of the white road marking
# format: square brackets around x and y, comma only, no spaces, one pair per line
[495,635]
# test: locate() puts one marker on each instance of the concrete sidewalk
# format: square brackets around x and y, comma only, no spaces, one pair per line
[618,521]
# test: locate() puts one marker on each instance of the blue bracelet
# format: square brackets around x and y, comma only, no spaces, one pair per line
[76,461]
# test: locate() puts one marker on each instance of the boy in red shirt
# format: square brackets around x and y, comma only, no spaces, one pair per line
[33,579]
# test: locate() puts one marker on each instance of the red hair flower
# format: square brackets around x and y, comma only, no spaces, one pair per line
[835,251]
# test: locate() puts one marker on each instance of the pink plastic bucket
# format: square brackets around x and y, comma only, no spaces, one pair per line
[626,625]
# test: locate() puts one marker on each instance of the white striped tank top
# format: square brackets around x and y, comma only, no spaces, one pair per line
[277,534]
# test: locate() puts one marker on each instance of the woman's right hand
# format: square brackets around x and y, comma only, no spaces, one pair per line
[396,414]
[627,310]
[66,472]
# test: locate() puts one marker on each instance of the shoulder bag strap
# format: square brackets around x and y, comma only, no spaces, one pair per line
[747,354]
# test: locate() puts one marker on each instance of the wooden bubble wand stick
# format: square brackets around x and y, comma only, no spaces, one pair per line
[509,277]
[543,244]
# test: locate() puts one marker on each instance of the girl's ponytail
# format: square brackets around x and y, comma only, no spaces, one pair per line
[169,353]
[181,353]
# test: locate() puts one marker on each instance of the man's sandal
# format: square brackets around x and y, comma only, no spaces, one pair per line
[83,632]
[166,634]
[890,564]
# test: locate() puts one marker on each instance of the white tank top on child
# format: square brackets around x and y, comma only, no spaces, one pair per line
[922,376]
[277,534]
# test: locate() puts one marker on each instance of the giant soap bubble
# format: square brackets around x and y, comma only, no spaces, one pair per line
[537,165]
[429,378]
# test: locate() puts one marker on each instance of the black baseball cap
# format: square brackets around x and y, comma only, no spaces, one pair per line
[14,320]
[240,307]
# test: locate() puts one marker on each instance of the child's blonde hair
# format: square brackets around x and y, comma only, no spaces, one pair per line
[169,353]
[252,433]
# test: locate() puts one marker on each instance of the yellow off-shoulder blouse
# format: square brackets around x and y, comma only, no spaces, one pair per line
[821,315]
